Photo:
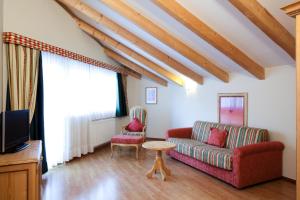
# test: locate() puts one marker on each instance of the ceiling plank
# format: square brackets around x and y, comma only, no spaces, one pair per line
[212,37]
[259,16]
[134,67]
[167,38]
[111,42]
[101,19]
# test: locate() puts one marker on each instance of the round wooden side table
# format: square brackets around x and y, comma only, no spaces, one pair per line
[159,164]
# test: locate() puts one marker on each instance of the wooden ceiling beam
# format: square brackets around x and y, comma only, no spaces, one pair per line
[115,44]
[212,37]
[133,66]
[133,73]
[292,10]
[167,38]
[259,16]
[154,52]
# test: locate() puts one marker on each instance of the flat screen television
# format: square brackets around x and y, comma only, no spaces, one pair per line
[14,130]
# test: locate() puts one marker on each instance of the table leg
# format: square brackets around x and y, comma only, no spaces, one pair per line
[112,150]
[159,165]
[161,169]
[152,170]
[168,172]
[137,152]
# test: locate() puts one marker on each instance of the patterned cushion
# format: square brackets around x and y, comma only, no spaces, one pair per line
[231,136]
[250,136]
[138,112]
[201,131]
[185,146]
[237,136]
[215,156]
[217,137]
[135,126]
[127,139]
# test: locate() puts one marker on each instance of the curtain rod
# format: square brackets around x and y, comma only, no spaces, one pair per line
[14,38]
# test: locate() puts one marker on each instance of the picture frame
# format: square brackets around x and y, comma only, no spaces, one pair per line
[233,108]
[151,95]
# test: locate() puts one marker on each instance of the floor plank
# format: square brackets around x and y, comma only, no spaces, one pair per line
[97,176]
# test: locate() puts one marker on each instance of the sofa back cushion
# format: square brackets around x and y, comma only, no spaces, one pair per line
[236,137]
[201,130]
[247,135]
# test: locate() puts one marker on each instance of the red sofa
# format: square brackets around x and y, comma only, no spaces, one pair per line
[247,159]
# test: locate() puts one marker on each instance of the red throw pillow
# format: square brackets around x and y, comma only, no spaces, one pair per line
[217,137]
[135,126]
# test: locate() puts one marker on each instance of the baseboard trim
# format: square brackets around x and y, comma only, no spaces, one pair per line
[154,139]
[106,144]
[289,179]
[102,146]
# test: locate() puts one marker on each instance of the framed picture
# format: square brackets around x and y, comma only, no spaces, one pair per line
[233,108]
[151,95]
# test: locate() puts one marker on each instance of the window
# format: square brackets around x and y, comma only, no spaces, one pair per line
[74,94]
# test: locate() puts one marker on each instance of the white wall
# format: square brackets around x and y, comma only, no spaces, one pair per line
[46,21]
[271,105]
[159,118]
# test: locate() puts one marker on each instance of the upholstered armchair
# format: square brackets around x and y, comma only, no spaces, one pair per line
[133,134]
[137,115]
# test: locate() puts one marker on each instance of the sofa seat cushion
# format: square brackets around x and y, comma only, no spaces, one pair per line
[215,156]
[127,139]
[185,146]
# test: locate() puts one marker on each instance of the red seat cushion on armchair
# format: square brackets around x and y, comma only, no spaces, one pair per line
[127,139]
[135,126]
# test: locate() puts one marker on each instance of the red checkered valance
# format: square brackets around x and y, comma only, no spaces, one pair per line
[13,38]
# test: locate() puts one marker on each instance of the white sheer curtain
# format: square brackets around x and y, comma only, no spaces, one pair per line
[74,94]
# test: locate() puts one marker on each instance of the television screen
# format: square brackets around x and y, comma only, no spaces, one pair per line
[16,130]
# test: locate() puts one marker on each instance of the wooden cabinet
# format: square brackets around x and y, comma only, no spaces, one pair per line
[20,173]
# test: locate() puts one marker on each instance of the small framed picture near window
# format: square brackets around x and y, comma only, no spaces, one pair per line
[151,95]
[233,108]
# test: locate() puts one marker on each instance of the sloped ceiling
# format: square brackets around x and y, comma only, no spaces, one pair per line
[220,15]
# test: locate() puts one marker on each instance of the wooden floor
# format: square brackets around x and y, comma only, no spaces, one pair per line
[96,176]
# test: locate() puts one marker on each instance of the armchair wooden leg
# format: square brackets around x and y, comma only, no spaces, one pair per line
[137,152]
[112,150]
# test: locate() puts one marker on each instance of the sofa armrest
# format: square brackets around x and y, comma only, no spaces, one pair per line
[257,163]
[179,133]
[258,148]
